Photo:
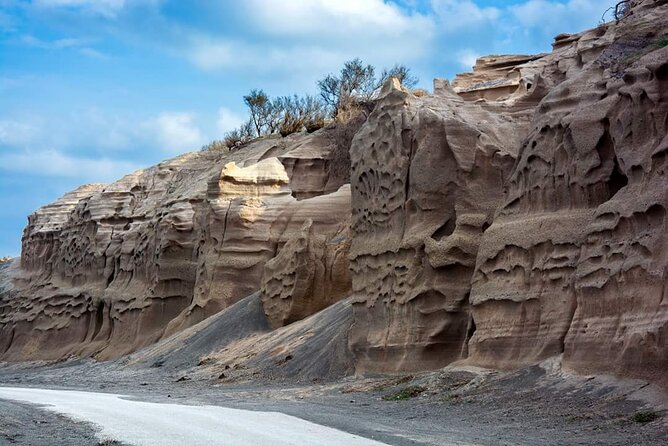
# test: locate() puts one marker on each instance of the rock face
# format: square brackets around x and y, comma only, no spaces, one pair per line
[310,273]
[575,261]
[532,238]
[427,176]
[108,269]
[516,215]
[495,77]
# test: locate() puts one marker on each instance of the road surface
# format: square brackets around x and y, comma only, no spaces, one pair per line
[147,424]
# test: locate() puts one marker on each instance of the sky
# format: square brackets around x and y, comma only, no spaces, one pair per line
[93,89]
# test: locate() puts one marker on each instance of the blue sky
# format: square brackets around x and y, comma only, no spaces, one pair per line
[93,89]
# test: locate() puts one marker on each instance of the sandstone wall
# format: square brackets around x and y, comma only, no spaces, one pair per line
[518,216]
[108,269]
[509,228]
[576,259]
[427,175]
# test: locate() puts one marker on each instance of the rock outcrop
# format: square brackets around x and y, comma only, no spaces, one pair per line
[575,261]
[310,273]
[427,176]
[515,215]
[525,221]
[108,269]
[495,77]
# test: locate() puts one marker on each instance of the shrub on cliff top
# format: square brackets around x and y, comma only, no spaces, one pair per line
[356,83]
[346,97]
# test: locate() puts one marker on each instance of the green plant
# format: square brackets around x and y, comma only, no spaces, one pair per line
[388,384]
[405,393]
[261,111]
[645,416]
[662,43]
[296,113]
[356,83]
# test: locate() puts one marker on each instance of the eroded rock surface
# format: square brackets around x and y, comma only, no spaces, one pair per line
[427,176]
[108,269]
[515,215]
[574,258]
[310,273]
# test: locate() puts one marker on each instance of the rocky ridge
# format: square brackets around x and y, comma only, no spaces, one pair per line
[515,215]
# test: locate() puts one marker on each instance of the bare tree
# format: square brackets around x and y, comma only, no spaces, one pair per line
[260,108]
[619,11]
[402,73]
[356,83]
[330,88]
[622,9]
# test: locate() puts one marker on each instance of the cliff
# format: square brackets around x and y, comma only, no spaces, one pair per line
[525,216]
[515,215]
[108,269]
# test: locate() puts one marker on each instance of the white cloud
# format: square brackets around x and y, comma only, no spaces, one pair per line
[343,18]
[297,41]
[14,132]
[210,54]
[93,54]
[540,12]
[455,15]
[58,164]
[107,8]
[176,132]
[51,44]
[228,120]
[467,58]
[65,43]
[556,17]
[276,61]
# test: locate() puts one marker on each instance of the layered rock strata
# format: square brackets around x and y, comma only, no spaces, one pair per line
[576,258]
[516,215]
[478,233]
[108,269]
[427,175]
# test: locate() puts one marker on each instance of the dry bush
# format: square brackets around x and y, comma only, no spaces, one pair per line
[298,113]
[346,125]
[239,137]
[215,145]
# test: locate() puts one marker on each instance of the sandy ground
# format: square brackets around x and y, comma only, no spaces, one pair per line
[534,406]
[26,424]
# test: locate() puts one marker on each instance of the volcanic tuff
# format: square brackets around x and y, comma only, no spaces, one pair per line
[515,215]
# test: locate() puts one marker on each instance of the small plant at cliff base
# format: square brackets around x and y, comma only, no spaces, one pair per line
[405,394]
[662,43]
[646,416]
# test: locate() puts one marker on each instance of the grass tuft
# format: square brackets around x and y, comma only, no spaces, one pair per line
[405,394]
[662,43]
[645,416]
